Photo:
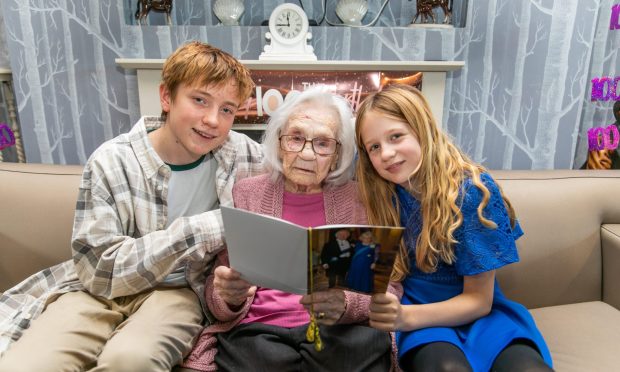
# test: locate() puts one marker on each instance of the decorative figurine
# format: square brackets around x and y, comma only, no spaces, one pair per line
[424,9]
[351,12]
[145,6]
[228,11]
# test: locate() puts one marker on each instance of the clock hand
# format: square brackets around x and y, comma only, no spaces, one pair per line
[288,23]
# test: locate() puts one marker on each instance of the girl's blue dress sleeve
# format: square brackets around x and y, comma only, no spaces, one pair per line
[480,248]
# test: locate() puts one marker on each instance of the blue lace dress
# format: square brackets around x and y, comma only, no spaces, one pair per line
[479,249]
[360,276]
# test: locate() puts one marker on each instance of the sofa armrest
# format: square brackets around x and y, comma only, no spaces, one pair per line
[36,217]
[610,241]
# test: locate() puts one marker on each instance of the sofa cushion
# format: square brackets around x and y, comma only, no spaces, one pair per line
[582,337]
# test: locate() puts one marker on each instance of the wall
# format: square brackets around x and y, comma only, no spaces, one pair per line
[521,102]
[4,51]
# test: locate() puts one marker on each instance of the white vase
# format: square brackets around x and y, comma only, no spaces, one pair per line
[229,11]
[351,12]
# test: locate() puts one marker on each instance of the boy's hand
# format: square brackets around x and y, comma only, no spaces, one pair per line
[385,312]
[230,287]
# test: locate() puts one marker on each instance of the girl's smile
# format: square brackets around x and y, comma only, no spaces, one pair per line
[394,168]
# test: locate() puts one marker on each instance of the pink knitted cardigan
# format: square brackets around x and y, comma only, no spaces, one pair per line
[262,195]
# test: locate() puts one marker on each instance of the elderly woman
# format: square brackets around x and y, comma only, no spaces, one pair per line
[309,150]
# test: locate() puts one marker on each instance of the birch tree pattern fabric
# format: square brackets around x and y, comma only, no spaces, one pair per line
[522,100]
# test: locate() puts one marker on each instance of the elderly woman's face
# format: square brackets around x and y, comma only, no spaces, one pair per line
[305,171]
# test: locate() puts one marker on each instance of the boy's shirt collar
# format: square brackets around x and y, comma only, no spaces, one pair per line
[148,158]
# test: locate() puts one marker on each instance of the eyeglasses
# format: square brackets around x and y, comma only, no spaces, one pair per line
[320,145]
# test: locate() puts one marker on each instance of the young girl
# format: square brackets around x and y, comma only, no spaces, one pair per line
[460,229]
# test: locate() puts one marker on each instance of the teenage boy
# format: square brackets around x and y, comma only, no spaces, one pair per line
[146,227]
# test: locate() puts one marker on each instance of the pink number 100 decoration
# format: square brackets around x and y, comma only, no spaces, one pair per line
[599,93]
[599,138]
[615,15]
[6,136]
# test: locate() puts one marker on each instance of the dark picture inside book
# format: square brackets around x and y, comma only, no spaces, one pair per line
[357,259]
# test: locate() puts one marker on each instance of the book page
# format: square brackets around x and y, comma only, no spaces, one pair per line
[353,257]
[273,253]
[267,251]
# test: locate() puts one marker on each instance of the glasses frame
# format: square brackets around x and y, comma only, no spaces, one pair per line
[311,144]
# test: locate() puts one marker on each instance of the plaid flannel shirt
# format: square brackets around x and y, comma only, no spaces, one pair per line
[120,244]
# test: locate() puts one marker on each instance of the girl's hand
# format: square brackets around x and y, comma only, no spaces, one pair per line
[385,312]
[328,305]
[230,287]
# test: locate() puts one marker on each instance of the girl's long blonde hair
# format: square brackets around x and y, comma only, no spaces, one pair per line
[437,181]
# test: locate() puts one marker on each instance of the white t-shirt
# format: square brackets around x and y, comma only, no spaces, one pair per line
[191,191]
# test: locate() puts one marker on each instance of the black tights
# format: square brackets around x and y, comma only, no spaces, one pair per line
[445,357]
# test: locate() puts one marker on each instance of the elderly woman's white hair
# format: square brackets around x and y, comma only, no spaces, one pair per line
[324,99]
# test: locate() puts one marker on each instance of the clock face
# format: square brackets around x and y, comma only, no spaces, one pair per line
[289,24]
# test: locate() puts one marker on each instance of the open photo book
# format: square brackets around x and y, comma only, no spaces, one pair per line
[273,253]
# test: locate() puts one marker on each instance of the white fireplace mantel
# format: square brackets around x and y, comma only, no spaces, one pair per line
[149,76]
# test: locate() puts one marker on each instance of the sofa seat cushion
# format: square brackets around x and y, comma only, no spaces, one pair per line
[581,337]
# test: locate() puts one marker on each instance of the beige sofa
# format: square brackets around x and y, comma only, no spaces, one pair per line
[569,274]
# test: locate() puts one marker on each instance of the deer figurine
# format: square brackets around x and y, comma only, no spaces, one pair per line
[424,9]
[145,6]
